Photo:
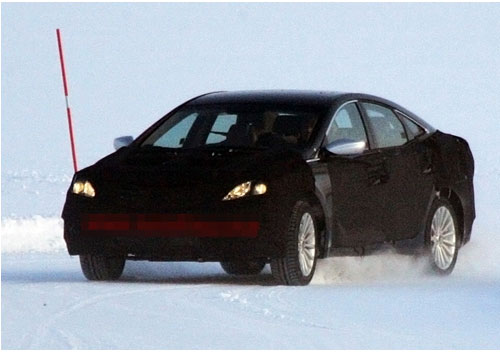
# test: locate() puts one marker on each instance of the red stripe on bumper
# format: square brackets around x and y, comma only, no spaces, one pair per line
[182,225]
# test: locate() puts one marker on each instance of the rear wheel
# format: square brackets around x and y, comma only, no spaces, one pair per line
[443,237]
[243,267]
[98,267]
[298,265]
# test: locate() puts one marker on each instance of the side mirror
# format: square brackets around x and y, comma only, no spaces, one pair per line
[121,142]
[346,147]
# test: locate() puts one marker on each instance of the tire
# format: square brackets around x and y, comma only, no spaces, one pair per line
[243,267]
[442,237]
[100,268]
[292,269]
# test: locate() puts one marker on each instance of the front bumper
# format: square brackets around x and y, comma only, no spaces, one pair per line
[241,229]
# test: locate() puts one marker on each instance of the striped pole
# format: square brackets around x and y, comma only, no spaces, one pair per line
[70,123]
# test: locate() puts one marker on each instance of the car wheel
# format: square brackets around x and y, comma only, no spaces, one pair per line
[442,237]
[243,267]
[298,265]
[97,267]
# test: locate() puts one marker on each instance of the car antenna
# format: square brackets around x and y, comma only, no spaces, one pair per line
[68,110]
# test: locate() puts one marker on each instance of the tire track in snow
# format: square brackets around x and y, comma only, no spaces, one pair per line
[243,302]
[44,328]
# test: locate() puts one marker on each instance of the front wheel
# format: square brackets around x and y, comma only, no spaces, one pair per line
[100,268]
[443,237]
[298,265]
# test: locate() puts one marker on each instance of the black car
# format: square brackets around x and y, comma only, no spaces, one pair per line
[279,177]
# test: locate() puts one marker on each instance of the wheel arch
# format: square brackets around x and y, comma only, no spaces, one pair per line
[457,204]
[319,215]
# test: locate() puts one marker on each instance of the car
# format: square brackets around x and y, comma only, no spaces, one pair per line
[282,177]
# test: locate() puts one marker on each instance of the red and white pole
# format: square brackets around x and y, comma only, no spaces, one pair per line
[70,123]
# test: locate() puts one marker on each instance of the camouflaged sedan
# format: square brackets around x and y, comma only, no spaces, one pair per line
[279,177]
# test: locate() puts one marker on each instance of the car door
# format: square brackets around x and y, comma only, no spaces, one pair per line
[355,181]
[420,172]
[398,214]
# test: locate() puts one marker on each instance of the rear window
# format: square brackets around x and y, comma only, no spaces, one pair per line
[387,129]
[412,128]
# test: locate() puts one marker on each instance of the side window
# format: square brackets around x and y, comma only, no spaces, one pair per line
[413,129]
[175,137]
[387,129]
[221,126]
[347,124]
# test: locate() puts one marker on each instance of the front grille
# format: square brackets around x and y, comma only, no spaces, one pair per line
[156,200]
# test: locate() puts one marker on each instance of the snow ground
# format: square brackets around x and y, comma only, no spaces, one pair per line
[375,302]
[381,301]
[47,304]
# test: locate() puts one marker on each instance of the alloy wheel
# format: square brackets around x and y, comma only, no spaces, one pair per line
[443,238]
[306,244]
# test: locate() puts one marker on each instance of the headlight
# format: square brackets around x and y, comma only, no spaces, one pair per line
[259,188]
[84,188]
[246,188]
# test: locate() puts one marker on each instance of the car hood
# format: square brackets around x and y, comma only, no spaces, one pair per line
[135,167]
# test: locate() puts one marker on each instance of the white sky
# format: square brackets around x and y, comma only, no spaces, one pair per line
[129,64]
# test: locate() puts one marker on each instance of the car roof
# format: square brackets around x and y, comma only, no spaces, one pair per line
[297,97]
[306,97]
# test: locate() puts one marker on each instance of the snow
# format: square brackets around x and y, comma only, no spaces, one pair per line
[33,192]
[35,234]
[47,303]
[128,64]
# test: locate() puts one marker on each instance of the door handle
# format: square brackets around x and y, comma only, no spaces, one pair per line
[377,174]
[377,171]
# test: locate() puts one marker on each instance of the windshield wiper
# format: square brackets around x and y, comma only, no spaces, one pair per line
[156,148]
[227,147]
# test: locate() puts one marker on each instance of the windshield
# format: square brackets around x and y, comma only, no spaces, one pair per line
[238,126]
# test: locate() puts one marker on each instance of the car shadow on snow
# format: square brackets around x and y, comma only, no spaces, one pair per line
[40,276]
[189,273]
[260,280]
[182,273]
